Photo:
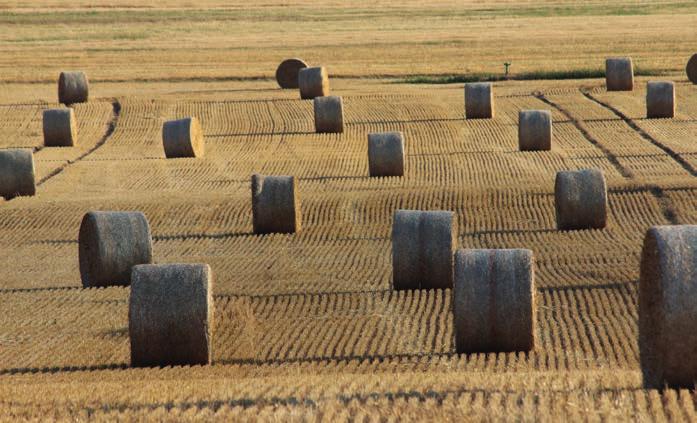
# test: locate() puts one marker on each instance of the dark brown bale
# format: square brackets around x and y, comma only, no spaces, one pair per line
[110,244]
[329,114]
[73,87]
[423,243]
[386,154]
[580,199]
[691,69]
[287,72]
[668,307]
[170,315]
[660,99]
[619,74]
[534,130]
[60,128]
[494,300]
[479,100]
[183,138]
[275,205]
[17,173]
[313,82]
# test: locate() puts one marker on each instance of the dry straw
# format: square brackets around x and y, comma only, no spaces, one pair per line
[287,72]
[73,87]
[479,100]
[580,199]
[423,244]
[386,154]
[16,173]
[110,244]
[329,114]
[313,82]
[60,128]
[534,130]
[183,138]
[668,307]
[660,99]
[275,204]
[619,74]
[170,314]
[494,300]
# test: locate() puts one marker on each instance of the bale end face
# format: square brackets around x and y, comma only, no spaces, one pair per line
[183,138]
[494,301]
[660,99]
[329,114]
[534,130]
[691,69]
[479,100]
[17,173]
[170,315]
[619,74]
[386,154]
[287,72]
[60,128]
[313,82]
[73,87]
[580,199]
[668,307]
[423,244]
[275,205]
[110,244]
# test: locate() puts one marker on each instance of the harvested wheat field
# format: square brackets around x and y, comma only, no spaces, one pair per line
[306,324]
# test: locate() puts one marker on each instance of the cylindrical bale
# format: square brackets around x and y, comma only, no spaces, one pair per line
[660,99]
[494,300]
[110,244]
[313,82]
[580,199]
[16,173]
[479,100]
[170,315]
[60,128]
[287,72]
[619,74]
[73,87]
[691,69]
[668,307]
[329,114]
[183,138]
[275,205]
[386,154]
[534,130]
[423,243]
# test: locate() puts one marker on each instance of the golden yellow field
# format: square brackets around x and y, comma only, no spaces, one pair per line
[307,326]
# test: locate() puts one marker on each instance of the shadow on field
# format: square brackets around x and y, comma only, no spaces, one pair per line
[64,369]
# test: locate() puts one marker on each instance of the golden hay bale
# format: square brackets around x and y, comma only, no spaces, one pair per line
[275,205]
[691,69]
[170,314]
[494,300]
[183,138]
[110,244]
[313,82]
[16,173]
[287,72]
[60,128]
[660,99]
[386,154]
[73,87]
[580,199]
[329,114]
[534,130]
[619,74]
[423,243]
[479,100]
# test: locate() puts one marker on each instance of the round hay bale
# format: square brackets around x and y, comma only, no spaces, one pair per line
[110,244]
[580,199]
[691,69]
[16,173]
[73,87]
[386,154]
[60,128]
[619,74]
[329,114]
[534,130]
[313,82]
[660,99]
[479,100]
[183,138]
[494,300]
[275,205]
[668,307]
[170,314]
[423,243]
[287,72]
